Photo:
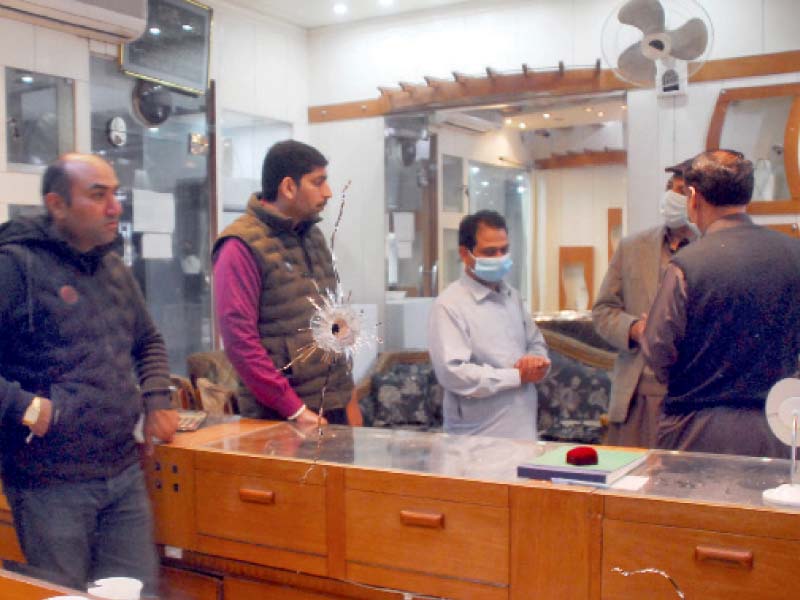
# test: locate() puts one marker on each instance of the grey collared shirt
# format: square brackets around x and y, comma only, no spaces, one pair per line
[475,336]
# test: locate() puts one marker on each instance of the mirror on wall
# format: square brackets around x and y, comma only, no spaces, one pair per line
[762,122]
[40,117]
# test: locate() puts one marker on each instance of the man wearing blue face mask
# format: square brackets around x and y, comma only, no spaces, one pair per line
[484,346]
[620,315]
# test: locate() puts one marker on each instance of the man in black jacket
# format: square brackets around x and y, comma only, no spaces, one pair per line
[80,361]
[725,324]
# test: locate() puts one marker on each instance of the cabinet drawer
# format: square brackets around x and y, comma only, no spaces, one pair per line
[259,510]
[437,537]
[705,564]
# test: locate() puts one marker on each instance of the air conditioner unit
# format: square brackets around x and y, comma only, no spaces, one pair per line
[113,21]
[466,122]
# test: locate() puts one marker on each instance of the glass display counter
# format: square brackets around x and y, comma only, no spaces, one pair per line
[696,477]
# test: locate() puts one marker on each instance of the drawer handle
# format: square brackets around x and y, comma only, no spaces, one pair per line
[739,558]
[413,518]
[257,496]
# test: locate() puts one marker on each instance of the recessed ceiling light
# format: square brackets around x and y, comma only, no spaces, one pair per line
[588,109]
[601,114]
[186,27]
[520,178]
[546,115]
[340,8]
[509,121]
[154,31]
[522,125]
[26,79]
[485,183]
[474,170]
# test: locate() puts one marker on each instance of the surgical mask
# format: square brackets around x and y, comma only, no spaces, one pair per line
[673,210]
[492,269]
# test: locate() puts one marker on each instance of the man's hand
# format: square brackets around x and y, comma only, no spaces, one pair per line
[532,369]
[42,424]
[309,417]
[161,424]
[637,330]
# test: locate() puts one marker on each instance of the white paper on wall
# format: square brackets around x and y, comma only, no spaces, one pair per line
[157,245]
[403,226]
[153,211]
[405,250]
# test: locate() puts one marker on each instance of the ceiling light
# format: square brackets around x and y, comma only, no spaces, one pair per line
[340,8]
[588,109]
[520,178]
[509,121]
[153,129]
[385,2]
[601,114]
[522,125]
[624,107]
[26,79]
[154,31]
[474,170]
[186,27]
[485,183]
[521,189]
[546,115]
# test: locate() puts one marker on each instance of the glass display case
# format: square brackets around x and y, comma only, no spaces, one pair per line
[737,480]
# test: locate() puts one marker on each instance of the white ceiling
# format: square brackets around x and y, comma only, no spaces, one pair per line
[319,13]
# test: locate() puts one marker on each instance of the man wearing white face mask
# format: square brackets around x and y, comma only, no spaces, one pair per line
[484,346]
[620,315]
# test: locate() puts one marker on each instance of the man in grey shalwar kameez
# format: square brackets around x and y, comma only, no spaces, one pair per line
[484,346]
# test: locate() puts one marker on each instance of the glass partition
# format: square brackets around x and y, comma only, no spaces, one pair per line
[164,190]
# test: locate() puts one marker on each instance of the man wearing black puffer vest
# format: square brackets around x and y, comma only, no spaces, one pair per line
[80,361]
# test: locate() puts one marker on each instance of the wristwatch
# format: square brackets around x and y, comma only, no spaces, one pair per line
[32,413]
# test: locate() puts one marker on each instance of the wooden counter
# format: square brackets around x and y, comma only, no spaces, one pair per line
[240,521]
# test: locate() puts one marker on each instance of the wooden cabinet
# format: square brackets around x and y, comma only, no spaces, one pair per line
[711,552]
[409,534]
[261,510]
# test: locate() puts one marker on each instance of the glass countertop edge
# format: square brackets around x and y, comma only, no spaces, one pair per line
[708,478]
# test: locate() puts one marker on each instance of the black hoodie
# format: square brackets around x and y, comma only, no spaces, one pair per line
[74,328]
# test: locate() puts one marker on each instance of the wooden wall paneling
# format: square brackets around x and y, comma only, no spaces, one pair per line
[553,552]
[614,230]
[570,256]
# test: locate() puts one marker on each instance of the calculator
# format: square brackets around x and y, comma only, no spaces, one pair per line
[190,420]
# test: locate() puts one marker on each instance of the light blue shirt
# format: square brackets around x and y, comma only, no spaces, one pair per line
[475,337]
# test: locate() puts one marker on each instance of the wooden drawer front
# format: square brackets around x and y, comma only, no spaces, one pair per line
[705,564]
[464,541]
[262,511]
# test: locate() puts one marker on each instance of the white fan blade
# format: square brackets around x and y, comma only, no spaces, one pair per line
[635,66]
[647,15]
[689,40]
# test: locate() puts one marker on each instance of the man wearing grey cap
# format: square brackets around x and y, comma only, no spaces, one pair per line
[620,315]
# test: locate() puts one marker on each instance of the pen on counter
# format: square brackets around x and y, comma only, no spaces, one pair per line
[567,481]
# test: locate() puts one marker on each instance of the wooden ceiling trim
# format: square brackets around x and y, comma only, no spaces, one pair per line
[587,158]
[466,90]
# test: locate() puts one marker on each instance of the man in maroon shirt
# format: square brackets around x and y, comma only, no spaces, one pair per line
[266,266]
